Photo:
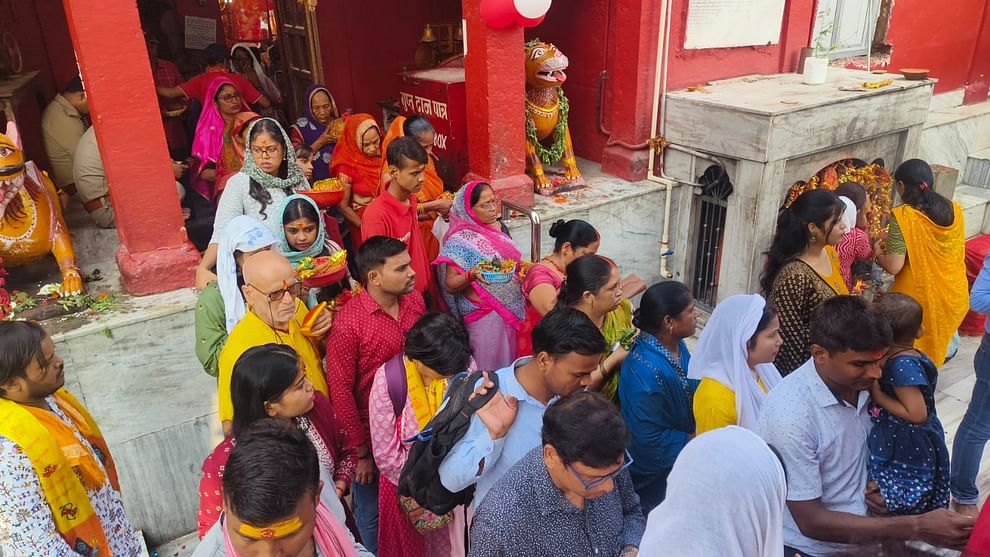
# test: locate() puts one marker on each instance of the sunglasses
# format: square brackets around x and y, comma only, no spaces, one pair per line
[626,463]
[293,290]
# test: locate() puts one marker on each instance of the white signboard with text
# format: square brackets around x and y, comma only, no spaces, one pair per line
[201,32]
[732,23]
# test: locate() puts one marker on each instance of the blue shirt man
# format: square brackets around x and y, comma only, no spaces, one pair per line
[567,348]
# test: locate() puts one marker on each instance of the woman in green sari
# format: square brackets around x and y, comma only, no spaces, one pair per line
[593,287]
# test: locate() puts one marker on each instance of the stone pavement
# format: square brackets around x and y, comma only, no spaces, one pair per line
[955,386]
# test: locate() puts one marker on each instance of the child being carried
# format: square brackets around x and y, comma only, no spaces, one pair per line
[909,460]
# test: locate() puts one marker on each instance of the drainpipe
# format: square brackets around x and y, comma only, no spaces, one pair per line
[663,54]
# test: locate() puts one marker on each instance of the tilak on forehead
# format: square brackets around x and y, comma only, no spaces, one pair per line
[275,531]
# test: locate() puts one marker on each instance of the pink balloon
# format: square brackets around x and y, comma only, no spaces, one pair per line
[498,14]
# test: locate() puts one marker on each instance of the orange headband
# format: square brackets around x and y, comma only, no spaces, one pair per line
[275,531]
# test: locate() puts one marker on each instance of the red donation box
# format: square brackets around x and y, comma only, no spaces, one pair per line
[438,94]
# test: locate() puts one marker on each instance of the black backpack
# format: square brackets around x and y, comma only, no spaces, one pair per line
[420,478]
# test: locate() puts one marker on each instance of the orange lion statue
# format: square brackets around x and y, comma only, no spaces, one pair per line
[31,223]
[546,115]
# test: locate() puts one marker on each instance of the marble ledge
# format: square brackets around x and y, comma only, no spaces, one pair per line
[601,190]
[132,310]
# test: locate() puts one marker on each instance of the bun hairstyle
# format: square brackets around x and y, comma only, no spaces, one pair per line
[669,298]
[588,273]
[919,191]
[577,233]
[792,236]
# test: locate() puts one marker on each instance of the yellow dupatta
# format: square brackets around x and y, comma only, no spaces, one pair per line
[934,274]
[425,399]
[65,467]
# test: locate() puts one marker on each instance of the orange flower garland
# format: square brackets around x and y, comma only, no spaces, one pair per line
[874,178]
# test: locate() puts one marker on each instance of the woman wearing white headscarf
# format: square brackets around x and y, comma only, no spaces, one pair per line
[221,305]
[734,362]
[725,497]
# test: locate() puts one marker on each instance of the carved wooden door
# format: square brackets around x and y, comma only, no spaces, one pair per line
[300,47]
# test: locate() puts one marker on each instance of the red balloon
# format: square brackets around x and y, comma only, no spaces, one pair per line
[498,14]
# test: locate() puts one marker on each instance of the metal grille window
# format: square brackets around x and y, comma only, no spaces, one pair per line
[710,228]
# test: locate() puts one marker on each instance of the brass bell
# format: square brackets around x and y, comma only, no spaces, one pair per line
[428,35]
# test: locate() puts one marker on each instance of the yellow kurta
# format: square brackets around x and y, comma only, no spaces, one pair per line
[251,332]
[715,405]
[934,274]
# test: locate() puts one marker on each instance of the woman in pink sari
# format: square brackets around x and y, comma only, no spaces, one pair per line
[572,239]
[406,393]
[493,313]
[213,145]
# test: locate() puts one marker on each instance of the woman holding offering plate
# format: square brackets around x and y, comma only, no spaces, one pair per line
[478,267]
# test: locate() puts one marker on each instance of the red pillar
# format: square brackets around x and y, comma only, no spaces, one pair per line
[155,254]
[496,91]
[633,32]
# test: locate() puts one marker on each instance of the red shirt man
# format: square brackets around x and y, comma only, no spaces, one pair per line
[394,213]
[369,330]
[216,66]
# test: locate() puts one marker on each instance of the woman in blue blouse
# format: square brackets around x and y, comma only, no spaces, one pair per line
[654,390]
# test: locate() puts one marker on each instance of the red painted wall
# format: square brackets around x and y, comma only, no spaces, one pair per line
[43,34]
[365,45]
[978,82]
[941,36]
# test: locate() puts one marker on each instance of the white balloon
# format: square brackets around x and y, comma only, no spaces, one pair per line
[532,9]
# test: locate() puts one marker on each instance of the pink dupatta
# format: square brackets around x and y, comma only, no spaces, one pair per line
[208,142]
[467,243]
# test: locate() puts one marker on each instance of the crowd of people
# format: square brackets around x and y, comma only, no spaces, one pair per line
[536,409]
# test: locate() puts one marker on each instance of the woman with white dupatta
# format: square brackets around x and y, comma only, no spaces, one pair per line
[734,361]
[725,497]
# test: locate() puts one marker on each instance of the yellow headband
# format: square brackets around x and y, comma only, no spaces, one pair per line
[275,531]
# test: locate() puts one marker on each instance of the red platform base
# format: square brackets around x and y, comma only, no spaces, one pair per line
[518,188]
[156,271]
[626,163]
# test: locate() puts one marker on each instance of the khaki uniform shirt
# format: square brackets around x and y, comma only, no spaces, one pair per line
[61,128]
[91,182]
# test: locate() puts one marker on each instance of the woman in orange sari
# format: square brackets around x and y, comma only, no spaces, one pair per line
[430,198]
[357,162]
[926,250]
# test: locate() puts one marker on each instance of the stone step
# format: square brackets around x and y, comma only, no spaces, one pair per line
[974,202]
[978,169]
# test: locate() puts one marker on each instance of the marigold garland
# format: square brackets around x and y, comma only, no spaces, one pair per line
[556,151]
[874,178]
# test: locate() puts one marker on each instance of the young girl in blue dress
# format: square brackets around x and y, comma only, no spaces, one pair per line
[909,460]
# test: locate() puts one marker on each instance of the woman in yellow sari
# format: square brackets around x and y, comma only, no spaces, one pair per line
[926,249]
[430,198]
[436,348]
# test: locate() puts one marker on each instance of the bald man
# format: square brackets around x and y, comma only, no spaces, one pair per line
[275,315]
